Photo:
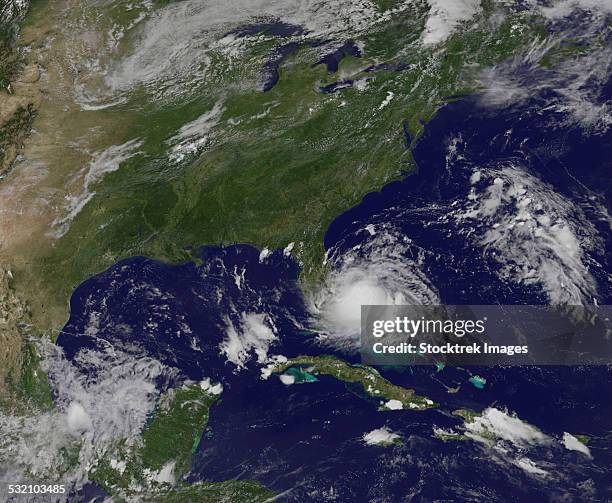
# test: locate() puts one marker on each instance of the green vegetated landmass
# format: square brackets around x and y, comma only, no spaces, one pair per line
[583,439]
[373,383]
[15,127]
[482,430]
[467,414]
[9,59]
[280,165]
[153,466]
[33,387]
[30,390]
[14,131]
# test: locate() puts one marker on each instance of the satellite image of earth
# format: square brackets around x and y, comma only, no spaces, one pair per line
[198,196]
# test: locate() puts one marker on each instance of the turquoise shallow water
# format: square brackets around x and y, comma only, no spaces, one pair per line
[478,382]
[301,375]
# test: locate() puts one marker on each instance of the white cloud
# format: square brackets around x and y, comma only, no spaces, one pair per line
[194,135]
[165,475]
[272,363]
[209,387]
[380,436]
[445,16]
[504,426]
[571,87]
[393,405]
[530,467]
[564,8]
[94,410]
[573,444]
[78,420]
[287,379]
[536,235]
[104,162]
[168,51]
[387,100]
[288,249]
[264,254]
[254,333]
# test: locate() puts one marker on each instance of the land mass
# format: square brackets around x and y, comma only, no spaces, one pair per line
[372,382]
[265,167]
[154,466]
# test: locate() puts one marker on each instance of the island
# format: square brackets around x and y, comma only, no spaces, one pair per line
[392,397]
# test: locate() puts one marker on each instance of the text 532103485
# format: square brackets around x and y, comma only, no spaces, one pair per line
[36,489]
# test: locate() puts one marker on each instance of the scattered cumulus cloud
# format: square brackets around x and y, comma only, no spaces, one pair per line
[537,236]
[380,436]
[254,333]
[506,427]
[193,136]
